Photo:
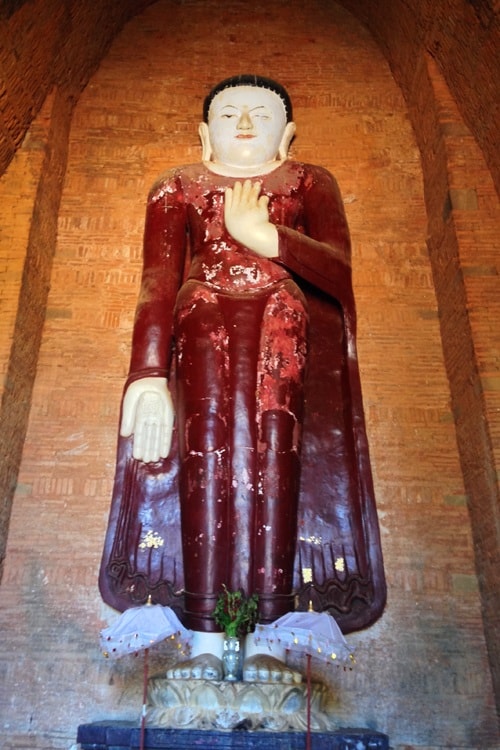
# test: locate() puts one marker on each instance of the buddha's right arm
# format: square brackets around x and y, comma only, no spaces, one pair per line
[147,407]
[163,265]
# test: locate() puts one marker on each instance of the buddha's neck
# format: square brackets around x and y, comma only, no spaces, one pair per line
[229,170]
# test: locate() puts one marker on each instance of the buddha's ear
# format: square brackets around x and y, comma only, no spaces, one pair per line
[206,146]
[288,134]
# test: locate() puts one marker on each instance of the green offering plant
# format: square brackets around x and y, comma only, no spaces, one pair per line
[235,612]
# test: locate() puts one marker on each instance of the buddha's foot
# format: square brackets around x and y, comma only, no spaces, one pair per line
[201,667]
[265,668]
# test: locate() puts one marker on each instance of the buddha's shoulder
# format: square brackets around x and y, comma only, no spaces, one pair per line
[175,178]
[296,175]
[304,168]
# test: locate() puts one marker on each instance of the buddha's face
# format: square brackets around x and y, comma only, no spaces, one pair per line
[246,126]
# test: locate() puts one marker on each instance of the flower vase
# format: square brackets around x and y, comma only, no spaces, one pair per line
[231,659]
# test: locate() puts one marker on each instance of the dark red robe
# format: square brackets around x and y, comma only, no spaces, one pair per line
[241,400]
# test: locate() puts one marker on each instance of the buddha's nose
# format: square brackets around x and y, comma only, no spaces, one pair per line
[245,122]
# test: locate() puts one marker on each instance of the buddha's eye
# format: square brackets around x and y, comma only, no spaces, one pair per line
[228,116]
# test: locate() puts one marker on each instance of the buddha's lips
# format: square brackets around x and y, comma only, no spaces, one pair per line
[245,136]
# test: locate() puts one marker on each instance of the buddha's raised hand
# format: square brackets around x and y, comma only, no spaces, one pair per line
[246,217]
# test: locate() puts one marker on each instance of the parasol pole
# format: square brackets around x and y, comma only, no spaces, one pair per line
[149,603]
[308,735]
[144,699]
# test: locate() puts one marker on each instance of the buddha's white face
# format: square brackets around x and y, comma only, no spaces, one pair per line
[246,126]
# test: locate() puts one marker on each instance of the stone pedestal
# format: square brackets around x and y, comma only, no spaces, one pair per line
[206,704]
[190,714]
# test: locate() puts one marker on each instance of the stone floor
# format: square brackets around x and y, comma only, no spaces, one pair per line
[122,736]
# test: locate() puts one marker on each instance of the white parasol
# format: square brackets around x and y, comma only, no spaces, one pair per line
[314,633]
[139,628]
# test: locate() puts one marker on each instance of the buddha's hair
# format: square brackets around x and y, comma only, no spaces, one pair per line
[249,80]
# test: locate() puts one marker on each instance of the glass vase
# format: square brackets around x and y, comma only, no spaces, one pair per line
[231,659]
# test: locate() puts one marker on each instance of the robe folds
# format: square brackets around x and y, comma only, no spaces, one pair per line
[336,551]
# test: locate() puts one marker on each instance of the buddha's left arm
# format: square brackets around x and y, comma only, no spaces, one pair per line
[321,254]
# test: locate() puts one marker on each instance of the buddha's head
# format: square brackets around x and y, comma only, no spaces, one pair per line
[247,123]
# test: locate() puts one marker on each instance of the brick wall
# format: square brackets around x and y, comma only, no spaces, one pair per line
[463,38]
[422,672]
[464,215]
[48,43]
[44,47]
